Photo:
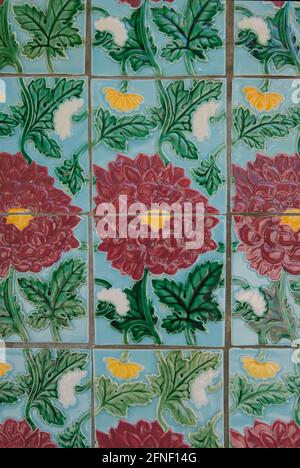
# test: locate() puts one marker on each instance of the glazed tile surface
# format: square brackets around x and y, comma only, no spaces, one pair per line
[169,38]
[264,399]
[175,399]
[267,37]
[45,37]
[55,414]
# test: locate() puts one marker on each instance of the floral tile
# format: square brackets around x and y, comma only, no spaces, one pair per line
[187,130]
[171,297]
[45,37]
[147,399]
[45,398]
[169,37]
[43,284]
[266,268]
[267,37]
[265,398]
[265,139]
[45,120]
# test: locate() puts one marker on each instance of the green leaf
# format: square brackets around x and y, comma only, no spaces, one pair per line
[115,132]
[193,303]
[205,437]
[11,314]
[72,437]
[182,146]
[45,145]
[209,176]
[53,30]
[8,125]
[9,392]
[49,412]
[254,131]
[253,398]
[172,385]
[9,48]
[56,302]
[71,174]
[192,35]
[295,290]
[116,399]
[135,52]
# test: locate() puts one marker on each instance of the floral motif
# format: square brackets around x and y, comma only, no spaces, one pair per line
[201,120]
[63,117]
[200,388]
[269,185]
[122,369]
[279,435]
[66,387]
[32,243]
[143,434]
[262,101]
[117,298]
[278,3]
[19,435]
[260,370]
[4,368]
[259,26]
[255,299]
[147,180]
[114,26]
[122,102]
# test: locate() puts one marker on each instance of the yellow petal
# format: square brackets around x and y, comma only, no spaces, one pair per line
[4,369]
[262,101]
[18,218]
[122,102]
[292,221]
[260,370]
[123,370]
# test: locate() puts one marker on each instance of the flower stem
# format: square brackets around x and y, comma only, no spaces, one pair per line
[49,62]
[190,337]
[55,333]
[284,307]
[101,282]
[28,120]
[144,304]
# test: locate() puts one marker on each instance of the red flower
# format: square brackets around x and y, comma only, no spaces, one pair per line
[137,3]
[269,185]
[143,434]
[278,3]
[279,435]
[19,435]
[27,242]
[147,180]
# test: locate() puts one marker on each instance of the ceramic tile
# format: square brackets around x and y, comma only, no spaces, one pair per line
[182,121]
[46,120]
[43,284]
[176,399]
[53,413]
[266,268]
[47,36]
[265,140]
[169,38]
[267,37]
[161,296]
[264,398]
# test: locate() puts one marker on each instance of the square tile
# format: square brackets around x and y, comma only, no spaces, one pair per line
[169,38]
[45,37]
[147,292]
[266,269]
[43,285]
[45,398]
[182,121]
[265,139]
[264,398]
[267,37]
[45,119]
[145,399]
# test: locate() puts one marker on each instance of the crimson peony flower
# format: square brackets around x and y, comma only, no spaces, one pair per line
[147,180]
[279,435]
[19,435]
[269,185]
[137,3]
[143,434]
[27,242]
[278,3]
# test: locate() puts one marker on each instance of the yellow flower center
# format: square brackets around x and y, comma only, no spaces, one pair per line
[156,219]
[19,218]
[292,221]
[2,97]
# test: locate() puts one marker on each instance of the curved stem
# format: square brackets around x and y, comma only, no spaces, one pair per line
[147,314]
[100,10]
[104,283]
[189,65]
[245,11]
[190,337]
[55,334]
[145,39]
[49,62]
[288,37]
[161,150]
[29,106]
[284,307]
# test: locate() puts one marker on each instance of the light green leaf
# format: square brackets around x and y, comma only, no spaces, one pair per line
[209,176]
[72,437]
[49,412]
[9,392]
[205,437]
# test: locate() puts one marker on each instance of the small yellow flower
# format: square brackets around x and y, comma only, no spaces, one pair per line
[122,102]
[262,101]
[260,370]
[4,369]
[123,370]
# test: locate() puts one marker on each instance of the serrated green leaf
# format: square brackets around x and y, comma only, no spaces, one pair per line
[209,176]
[253,398]
[9,392]
[45,145]
[72,437]
[49,412]
[71,174]
[182,146]
[116,399]
[8,125]
[192,303]
[11,314]
[9,47]
[205,437]
[53,30]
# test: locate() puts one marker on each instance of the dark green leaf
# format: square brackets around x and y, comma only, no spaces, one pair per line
[182,146]
[9,48]
[8,125]
[71,174]
[9,392]
[72,437]
[11,314]
[209,176]
[49,412]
